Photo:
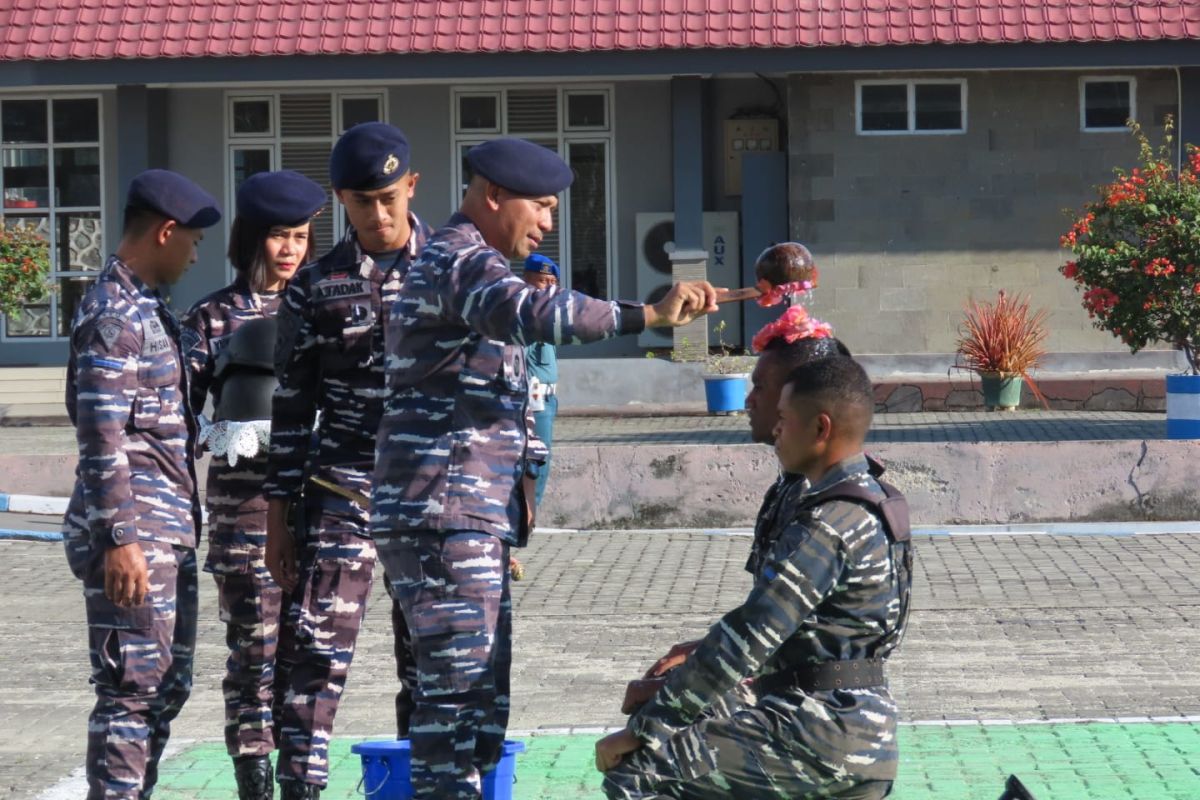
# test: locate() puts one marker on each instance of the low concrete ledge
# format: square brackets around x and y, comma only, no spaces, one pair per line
[946,483]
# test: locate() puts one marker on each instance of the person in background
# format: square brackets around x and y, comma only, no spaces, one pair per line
[541,360]
[269,240]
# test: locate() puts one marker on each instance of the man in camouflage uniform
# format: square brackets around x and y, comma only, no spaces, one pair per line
[131,526]
[829,604]
[454,467]
[329,359]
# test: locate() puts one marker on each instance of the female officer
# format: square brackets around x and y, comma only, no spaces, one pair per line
[269,240]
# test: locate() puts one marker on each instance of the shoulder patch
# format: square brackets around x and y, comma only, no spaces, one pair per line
[109,327]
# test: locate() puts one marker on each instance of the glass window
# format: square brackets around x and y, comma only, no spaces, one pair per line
[77,120]
[478,113]
[589,218]
[587,111]
[24,122]
[1107,104]
[249,161]
[77,176]
[52,178]
[884,107]
[356,110]
[938,106]
[252,117]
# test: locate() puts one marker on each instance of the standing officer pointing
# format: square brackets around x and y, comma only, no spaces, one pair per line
[455,463]
[329,358]
[131,526]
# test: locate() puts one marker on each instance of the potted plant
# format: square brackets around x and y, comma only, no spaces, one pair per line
[24,265]
[726,377]
[1002,342]
[1136,259]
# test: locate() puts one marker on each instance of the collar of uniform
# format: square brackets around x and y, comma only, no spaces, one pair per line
[360,255]
[852,467]
[465,225]
[123,275]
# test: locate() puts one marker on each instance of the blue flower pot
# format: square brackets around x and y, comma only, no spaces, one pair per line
[726,394]
[1183,406]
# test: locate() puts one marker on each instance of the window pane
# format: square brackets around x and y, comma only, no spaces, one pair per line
[477,113]
[939,106]
[26,178]
[77,120]
[252,116]
[589,220]
[249,162]
[1107,104]
[24,121]
[359,109]
[80,242]
[32,323]
[77,176]
[70,292]
[885,107]
[587,111]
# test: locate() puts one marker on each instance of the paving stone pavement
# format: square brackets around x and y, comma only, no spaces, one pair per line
[1004,627]
[977,426]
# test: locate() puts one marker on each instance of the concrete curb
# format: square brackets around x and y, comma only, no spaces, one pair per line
[33,504]
[9,534]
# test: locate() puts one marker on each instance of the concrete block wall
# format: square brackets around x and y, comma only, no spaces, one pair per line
[906,228]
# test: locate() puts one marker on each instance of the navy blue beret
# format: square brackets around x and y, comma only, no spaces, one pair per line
[278,198]
[368,156]
[175,197]
[520,166]
[541,264]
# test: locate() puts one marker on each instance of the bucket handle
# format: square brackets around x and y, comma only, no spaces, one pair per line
[386,776]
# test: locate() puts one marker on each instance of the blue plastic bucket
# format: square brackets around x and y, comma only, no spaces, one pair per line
[387,772]
[725,394]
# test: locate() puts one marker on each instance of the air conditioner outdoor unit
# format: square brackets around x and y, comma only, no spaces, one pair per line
[656,242]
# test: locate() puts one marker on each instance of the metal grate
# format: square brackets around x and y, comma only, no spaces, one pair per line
[312,161]
[532,111]
[306,115]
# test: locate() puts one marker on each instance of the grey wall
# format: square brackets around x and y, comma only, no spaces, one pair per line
[906,228]
[423,113]
[196,148]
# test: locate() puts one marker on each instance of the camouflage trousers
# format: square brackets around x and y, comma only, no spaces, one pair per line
[317,635]
[453,589]
[732,751]
[141,668]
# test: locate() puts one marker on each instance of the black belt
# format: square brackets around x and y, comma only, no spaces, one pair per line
[825,677]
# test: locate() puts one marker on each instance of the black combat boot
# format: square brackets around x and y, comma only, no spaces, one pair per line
[254,777]
[1015,790]
[295,790]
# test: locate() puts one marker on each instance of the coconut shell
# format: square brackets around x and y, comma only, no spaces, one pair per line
[786,262]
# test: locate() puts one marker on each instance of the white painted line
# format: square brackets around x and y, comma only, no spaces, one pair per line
[33,504]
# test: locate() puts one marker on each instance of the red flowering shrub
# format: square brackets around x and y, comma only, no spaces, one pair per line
[24,265]
[1137,251]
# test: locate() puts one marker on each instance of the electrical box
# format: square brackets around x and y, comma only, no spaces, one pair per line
[742,135]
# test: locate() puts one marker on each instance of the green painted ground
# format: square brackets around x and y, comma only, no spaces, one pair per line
[1159,761]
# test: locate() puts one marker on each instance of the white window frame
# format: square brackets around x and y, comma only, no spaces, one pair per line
[564,136]
[1085,80]
[53,210]
[274,141]
[911,103]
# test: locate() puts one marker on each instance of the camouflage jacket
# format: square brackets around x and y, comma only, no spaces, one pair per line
[237,508]
[455,438]
[832,588]
[127,395]
[329,357]
[773,517]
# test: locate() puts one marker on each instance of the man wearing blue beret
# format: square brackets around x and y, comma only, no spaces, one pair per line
[329,359]
[456,461]
[131,526]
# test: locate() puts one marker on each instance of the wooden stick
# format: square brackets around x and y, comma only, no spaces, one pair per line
[738,295]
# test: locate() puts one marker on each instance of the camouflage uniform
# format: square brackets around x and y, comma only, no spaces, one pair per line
[248,597]
[127,395]
[832,587]
[329,358]
[452,449]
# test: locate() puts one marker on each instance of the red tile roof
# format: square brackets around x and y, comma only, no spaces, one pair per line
[105,29]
